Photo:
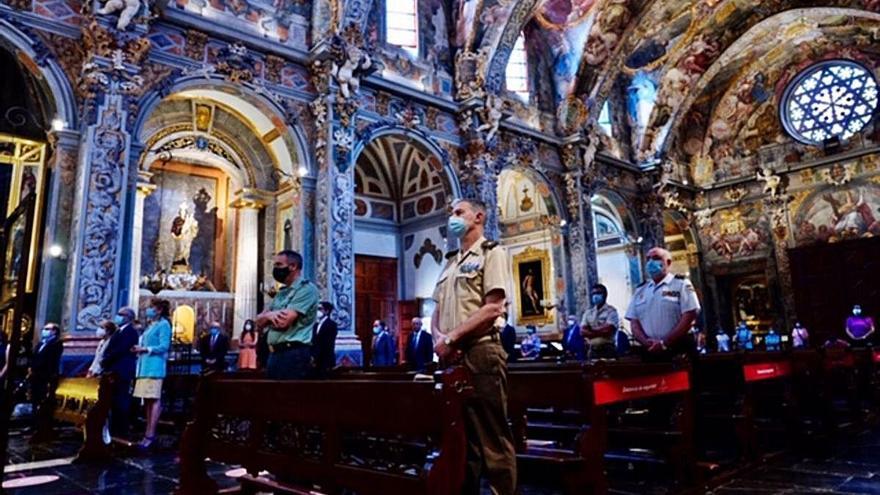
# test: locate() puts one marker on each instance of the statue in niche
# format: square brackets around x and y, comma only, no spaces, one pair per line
[184,229]
[288,234]
[127,9]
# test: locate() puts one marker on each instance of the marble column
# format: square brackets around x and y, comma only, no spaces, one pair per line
[248,203]
[143,189]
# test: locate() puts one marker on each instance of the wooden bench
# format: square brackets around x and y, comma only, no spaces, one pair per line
[86,403]
[371,437]
[550,408]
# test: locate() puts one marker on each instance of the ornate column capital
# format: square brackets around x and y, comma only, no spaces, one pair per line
[251,198]
[144,184]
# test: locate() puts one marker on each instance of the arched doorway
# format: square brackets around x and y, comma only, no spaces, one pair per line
[219,192]
[530,229]
[402,191]
[617,250]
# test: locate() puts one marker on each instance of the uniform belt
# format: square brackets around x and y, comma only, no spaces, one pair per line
[286,346]
[492,337]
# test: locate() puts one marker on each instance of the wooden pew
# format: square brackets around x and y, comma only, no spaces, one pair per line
[550,408]
[372,437]
[86,403]
[663,431]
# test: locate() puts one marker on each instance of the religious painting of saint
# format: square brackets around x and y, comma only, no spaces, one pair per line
[836,215]
[532,278]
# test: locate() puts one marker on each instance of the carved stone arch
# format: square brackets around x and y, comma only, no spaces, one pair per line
[384,128]
[35,55]
[541,177]
[623,209]
[500,51]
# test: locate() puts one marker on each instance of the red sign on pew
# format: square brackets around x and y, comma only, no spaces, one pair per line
[611,391]
[876,355]
[766,371]
[844,361]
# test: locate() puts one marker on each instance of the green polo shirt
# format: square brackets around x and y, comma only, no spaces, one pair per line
[302,297]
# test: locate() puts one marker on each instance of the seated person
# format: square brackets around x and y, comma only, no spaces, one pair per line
[859,328]
[531,344]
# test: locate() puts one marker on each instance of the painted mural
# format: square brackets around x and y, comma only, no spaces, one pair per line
[736,232]
[284,20]
[836,214]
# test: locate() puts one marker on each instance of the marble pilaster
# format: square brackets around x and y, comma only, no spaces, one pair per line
[248,204]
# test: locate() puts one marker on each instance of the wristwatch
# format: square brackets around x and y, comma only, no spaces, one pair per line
[448,341]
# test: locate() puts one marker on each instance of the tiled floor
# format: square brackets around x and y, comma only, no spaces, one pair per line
[852,468]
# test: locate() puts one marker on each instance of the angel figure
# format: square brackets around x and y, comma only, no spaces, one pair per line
[771,181]
[491,116]
[353,59]
[127,10]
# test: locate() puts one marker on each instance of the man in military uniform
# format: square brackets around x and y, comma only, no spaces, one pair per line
[289,320]
[600,324]
[663,309]
[470,297]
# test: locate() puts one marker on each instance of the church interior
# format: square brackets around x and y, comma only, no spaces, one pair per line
[667,214]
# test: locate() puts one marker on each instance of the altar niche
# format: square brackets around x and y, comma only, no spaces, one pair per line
[185,234]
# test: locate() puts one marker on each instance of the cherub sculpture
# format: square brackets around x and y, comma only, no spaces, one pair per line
[350,60]
[491,116]
[127,9]
[771,181]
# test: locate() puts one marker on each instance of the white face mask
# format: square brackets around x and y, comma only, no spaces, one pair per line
[100,333]
[320,314]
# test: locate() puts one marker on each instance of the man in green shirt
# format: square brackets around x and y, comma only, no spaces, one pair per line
[289,320]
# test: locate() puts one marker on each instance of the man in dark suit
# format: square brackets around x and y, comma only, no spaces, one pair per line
[213,347]
[508,340]
[43,373]
[573,342]
[420,349]
[121,362]
[324,340]
[384,350]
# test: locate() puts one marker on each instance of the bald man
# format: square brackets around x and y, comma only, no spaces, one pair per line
[663,309]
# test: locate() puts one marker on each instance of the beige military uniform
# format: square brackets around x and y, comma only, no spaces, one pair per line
[461,290]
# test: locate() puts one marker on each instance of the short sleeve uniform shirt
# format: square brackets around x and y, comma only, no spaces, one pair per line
[659,306]
[302,297]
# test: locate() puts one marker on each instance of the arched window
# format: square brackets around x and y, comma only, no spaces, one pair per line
[402,25]
[605,118]
[517,74]
[835,98]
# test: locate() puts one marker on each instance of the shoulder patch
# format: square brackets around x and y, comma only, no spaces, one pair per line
[642,284]
[452,254]
[681,277]
[488,245]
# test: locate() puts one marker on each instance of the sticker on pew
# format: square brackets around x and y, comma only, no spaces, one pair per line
[766,371]
[844,361]
[611,391]
[877,356]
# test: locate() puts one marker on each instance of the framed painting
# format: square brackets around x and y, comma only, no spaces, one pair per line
[531,273]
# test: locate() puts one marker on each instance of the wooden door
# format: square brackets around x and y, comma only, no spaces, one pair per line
[375,298]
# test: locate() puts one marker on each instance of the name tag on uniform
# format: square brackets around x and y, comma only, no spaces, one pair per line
[469,267]
[671,293]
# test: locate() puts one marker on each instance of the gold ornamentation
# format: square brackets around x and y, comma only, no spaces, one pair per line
[195,44]
[274,66]
[736,193]
[524,266]
[470,69]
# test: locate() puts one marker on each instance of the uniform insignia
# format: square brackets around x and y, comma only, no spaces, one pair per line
[469,267]
[488,245]
[451,254]
[671,293]
[681,277]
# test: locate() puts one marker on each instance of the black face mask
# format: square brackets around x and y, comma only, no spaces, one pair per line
[280,273]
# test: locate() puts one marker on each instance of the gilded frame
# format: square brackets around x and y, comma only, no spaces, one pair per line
[531,267]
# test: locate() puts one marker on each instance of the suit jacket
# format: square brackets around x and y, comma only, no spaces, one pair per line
[573,343]
[217,352]
[46,360]
[324,344]
[420,350]
[157,339]
[508,342]
[383,350]
[118,357]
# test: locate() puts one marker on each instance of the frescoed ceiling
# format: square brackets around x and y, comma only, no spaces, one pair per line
[712,69]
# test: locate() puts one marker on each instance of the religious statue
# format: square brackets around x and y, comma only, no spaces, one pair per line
[491,116]
[349,59]
[127,10]
[771,181]
[184,229]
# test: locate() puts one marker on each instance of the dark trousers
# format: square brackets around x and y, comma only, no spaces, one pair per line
[290,364]
[489,438]
[120,411]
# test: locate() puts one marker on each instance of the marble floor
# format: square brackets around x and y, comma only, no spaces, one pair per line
[852,468]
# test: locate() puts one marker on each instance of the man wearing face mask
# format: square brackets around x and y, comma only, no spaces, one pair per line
[383,345]
[859,329]
[213,347]
[289,320]
[119,360]
[324,340]
[599,324]
[572,341]
[45,363]
[663,309]
[470,297]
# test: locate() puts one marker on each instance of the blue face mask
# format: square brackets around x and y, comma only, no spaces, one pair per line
[215,331]
[597,299]
[457,227]
[654,268]
[150,313]
[47,334]
[376,330]
[857,312]
[119,320]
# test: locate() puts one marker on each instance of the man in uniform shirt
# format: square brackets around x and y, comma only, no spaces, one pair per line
[600,324]
[470,298]
[663,308]
[289,319]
